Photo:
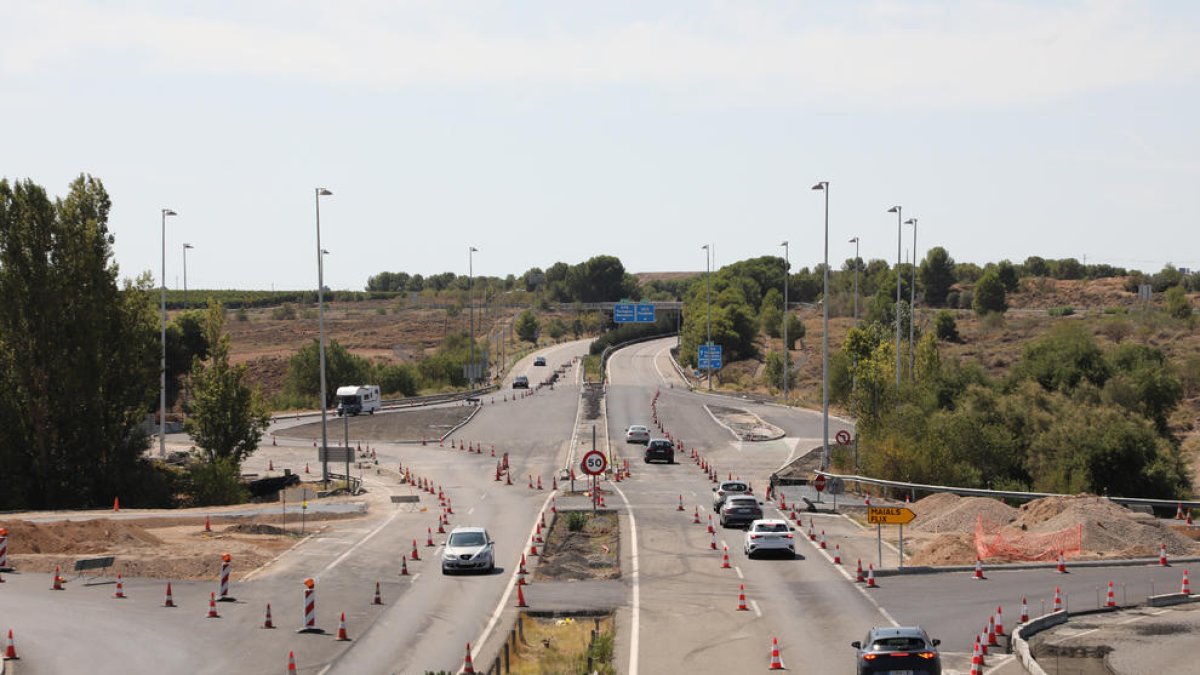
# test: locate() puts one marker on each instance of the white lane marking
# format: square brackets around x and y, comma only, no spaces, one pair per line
[636,604]
[654,359]
[757,611]
[512,581]
[739,572]
[337,561]
[272,561]
[470,510]
[722,424]
[415,577]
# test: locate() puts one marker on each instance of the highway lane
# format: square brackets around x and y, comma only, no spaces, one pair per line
[689,618]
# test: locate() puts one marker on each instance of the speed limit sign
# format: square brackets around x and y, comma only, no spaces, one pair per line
[594,463]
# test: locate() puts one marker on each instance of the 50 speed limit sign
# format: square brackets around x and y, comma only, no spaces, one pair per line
[594,463]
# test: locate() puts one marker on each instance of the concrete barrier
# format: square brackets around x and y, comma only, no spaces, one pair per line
[1026,630]
[1168,599]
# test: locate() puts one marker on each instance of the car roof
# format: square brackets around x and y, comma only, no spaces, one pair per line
[639,427]
[897,631]
[733,482]
[468,528]
[741,498]
[660,440]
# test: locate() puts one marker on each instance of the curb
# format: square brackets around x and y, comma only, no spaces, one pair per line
[926,569]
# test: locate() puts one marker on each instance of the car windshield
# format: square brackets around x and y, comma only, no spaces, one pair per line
[637,428]
[771,527]
[734,487]
[898,643]
[467,539]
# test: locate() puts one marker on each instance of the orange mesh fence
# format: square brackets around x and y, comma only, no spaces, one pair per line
[992,542]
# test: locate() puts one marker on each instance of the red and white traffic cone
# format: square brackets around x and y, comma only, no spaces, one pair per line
[291,663]
[416,554]
[725,559]
[999,620]
[533,550]
[1110,600]
[976,659]
[341,634]
[10,649]
[680,507]
[1179,511]
[711,529]
[268,623]
[1062,563]
[696,516]
[170,600]
[120,593]
[1187,587]
[821,545]
[306,467]
[539,483]
[521,597]
[713,542]
[530,481]
[1162,555]
[871,577]
[537,534]
[207,524]
[741,607]
[776,659]
[403,566]
[1058,602]
[521,570]
[991,632]
[837,554]
[468,668]
[978,570]
[983,645]
[858,574]
[1024,611]
[212,606]
[56,583]
[378,600]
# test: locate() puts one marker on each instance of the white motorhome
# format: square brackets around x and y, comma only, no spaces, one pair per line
[356,399]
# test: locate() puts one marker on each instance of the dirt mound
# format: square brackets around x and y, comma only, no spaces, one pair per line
[945,549]
[254,528]
[588,553]
[1109,530]
[945,512]
[78,537]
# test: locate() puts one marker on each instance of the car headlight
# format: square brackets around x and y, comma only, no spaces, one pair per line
[448,556]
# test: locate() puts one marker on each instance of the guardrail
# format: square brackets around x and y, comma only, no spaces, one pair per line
[418,401]
[354,482]
[979,492]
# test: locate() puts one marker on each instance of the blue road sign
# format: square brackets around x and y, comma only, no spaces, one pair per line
[624,312]
[709,357]
[645,312]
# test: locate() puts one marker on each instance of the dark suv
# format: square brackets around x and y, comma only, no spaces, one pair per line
[905,649]
[661,449]
[740,510]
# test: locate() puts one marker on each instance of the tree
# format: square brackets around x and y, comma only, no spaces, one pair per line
[527,326]
[1177,303]
[227,417]
[989,294]
[78,354]
[1035,266]
[937,275]
[1007,272]
[341,369]
[1062,360]
[556,328]
[795,331]
[774,372]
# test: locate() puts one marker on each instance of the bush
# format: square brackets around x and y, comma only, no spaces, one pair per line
[1061,311]
[284,312]
[774,371]
[398,379]
[990,296]
[215,483]
[945,326]
[240,314]
[1177,304]
[576,521]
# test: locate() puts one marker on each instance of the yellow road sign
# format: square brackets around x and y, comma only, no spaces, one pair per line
[889,515]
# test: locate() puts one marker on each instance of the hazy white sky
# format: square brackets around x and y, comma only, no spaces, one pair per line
[546,131]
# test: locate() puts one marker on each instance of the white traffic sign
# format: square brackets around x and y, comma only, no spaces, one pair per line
[594,463]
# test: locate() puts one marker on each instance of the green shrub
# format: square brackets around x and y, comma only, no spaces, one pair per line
[214,483]
[576,521]
[285,312]
[1061,311]
[1177,304]
[945,326]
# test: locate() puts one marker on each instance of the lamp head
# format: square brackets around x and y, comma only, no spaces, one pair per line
[853,240]
[169,212]
[322,192]
[894,209]
[911,221]
[821,185]
[187,246]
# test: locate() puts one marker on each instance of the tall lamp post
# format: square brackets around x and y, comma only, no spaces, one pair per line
[162,392]
[322,192]
[896,210]
[186,246]
[854,240]
[787,270]
[912,305]
[708,294]
[823,186]
[471,250]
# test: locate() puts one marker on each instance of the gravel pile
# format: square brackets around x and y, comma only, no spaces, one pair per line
[945,512]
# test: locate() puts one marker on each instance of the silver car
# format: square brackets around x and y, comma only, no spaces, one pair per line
[637,433]
[468,548]
[726,488]
[769,535]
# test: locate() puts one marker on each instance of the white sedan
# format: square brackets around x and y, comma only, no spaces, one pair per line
[637,434]
[769,535]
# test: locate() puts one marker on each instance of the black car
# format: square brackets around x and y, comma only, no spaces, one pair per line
[899,649]
[660,449]
[740,510]
[520,382]
[539,361]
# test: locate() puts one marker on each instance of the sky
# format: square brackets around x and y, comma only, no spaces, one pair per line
[545,131]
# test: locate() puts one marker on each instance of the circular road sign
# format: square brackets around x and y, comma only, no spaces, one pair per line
[819,483]
[594,463]
[843,437]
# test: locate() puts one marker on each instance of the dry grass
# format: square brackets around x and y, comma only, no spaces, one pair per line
[559,646]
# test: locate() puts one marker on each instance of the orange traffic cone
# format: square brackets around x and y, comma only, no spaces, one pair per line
[212,606]
[56,583]
[776,660]
[871,577]
[713,543]
[696,516]
[120,593]
[403,566]
[1058,602]
[416,554]
[468,668]
[976,659]
[991,632]
[267,622]
[1110,600]
[680,507]
[207,524]
[837,554]
[1187,587]
[341,634]
[858,574]
[116,503]
[999,620]
[521,597]
[711,529]
[521,571]
[169,601]
[1179,511]
[725,559]
[291,663]
[1162,555]
[378,598]
[742,598]
[978,570]
[533,549]
[1024,611]
[10,649]
[1062,563]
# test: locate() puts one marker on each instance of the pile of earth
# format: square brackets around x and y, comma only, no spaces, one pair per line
[944,530]
[588,553]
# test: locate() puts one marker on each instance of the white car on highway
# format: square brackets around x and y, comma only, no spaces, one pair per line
[769,535]
[468,548]
[637,433]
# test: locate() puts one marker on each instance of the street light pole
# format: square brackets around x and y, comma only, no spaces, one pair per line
[823,186]
[708,294]
[855,242]
[912,305]
[787,270]
[162,375]
[896,210]
[471,250]
[322,192]
[186,246]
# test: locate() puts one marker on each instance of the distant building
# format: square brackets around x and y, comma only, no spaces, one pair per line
[1185,271]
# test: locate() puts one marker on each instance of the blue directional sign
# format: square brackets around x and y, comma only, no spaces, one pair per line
[624,312]
[628,312]
[709,357]
[645,312]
